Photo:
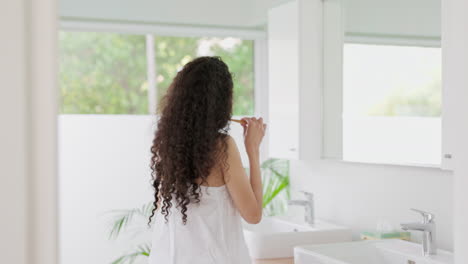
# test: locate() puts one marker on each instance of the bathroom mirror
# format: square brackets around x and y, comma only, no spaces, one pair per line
[382,81]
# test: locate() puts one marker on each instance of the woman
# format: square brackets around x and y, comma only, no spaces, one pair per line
[201,188]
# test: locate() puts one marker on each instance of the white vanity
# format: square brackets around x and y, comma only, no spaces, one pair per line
[276,237]
[369,252]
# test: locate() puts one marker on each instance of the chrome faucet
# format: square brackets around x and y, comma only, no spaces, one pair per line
[428,227]
[308,203]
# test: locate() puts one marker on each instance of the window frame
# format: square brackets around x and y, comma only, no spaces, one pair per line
[258,36]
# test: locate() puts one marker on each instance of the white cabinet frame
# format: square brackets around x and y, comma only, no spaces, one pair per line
[295,79]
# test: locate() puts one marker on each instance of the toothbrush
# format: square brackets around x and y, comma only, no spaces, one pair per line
[239,121]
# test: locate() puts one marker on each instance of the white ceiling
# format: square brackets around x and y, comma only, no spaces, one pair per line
[231,13]
[419,18]
[366,16]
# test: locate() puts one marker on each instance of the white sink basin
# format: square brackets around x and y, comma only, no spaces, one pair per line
[368,252]
[276,237]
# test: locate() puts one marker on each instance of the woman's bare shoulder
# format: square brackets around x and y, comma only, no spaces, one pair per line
[231,144]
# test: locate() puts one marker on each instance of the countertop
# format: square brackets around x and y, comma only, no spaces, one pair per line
[274,261]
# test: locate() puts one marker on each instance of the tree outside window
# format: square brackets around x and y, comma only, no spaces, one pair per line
[105,73]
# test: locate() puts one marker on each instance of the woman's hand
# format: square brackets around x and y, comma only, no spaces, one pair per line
[254,130]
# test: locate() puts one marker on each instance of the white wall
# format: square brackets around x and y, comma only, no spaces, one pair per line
[13,136]
[104,166]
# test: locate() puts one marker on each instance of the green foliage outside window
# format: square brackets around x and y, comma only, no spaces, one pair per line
[105,73]
[102,73]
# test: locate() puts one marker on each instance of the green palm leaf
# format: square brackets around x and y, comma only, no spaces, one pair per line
[275,177]
[142,250]
[122,218]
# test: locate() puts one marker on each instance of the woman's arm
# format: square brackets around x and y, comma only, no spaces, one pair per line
[246,193]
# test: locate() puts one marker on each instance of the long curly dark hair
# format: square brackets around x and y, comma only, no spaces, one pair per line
[191,134]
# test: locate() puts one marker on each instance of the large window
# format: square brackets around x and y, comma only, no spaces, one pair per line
[109,73]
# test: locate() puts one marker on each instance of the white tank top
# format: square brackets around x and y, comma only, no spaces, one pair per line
[213,233]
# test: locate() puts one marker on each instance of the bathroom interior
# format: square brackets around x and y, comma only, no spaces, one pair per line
[364,160]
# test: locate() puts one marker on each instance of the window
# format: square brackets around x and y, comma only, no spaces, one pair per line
[391,102]
[107,73]
[102,73]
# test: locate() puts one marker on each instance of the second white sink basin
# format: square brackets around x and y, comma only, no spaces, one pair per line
[276,237]
[368,252]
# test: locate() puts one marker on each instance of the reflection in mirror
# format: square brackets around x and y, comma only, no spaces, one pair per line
[382,81]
